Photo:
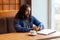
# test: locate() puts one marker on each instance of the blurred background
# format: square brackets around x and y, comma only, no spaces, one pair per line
[46,11]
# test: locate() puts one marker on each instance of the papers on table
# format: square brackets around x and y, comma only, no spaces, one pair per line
[46,31]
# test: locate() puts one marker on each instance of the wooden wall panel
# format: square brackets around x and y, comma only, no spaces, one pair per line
[0,7]
[7,14]
[12,1]
[6,7]
[9,8]
[0,1]
[12,7]
[17,7]
[5,1]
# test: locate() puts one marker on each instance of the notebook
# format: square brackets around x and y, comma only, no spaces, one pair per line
[46,31]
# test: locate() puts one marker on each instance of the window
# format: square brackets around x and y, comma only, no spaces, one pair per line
[55,14]
[54,17]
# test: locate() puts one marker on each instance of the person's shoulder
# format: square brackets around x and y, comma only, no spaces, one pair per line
[33,17]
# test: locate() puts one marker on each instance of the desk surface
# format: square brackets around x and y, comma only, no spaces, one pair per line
[25,36]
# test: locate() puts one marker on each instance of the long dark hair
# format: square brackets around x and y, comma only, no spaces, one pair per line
[21,12]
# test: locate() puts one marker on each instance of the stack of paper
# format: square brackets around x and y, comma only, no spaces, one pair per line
[46,31]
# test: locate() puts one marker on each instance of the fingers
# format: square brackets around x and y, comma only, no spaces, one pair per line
[36,28]
[39,28]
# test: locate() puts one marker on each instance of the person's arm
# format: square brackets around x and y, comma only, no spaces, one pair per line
[19,28]
[37,23]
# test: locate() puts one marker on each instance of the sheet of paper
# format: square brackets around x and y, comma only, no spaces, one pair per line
[46,31]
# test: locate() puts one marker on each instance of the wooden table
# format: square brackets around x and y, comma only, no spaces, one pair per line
[25,36]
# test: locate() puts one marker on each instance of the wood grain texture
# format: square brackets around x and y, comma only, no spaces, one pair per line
[25,36]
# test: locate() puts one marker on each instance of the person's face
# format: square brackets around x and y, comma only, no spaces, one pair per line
[27,12]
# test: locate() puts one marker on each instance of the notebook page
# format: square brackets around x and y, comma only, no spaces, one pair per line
[46,31]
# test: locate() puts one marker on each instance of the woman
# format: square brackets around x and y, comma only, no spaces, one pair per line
[24,21]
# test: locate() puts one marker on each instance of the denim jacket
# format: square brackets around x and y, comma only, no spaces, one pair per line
[21,27]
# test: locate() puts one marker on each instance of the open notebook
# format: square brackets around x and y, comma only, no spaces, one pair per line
[46,31]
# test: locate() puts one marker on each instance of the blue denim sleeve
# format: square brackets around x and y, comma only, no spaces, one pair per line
[37,23]
[19,28]
[41,25]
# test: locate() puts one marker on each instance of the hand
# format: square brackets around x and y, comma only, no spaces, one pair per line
[36,28]
[39,28]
